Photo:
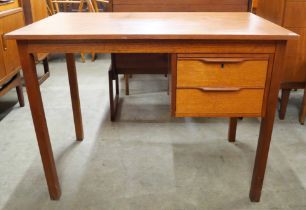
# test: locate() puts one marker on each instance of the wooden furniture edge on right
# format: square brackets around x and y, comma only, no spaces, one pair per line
[292,15]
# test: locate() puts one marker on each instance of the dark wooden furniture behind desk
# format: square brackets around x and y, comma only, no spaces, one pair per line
[11,18]
[35,10]
[290,14]
[158,63]
[179,5]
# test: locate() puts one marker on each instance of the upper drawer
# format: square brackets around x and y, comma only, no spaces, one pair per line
[221,72]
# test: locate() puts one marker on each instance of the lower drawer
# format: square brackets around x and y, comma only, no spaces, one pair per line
[199,102]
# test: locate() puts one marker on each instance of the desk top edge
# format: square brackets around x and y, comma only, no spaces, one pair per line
[153,26]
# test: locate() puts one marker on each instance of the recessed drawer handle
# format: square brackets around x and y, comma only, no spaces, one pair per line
[217,60]
[208,89]
[222,60]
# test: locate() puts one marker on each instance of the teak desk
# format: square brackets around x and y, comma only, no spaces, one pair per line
[223,65]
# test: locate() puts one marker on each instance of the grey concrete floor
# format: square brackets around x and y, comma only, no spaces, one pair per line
[146,160]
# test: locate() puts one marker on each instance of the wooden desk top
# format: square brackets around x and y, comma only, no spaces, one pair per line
[167,25]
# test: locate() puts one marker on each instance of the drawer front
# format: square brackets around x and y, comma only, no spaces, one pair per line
[11,55]
[12,5]
[221,72]
[195,102]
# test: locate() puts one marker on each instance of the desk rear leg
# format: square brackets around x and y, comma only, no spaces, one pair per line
[113,101]
[303,109]
[19,91]
[232,129]
[284,103]
[75,98]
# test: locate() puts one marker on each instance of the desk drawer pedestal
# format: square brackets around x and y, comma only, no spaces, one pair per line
[220,86]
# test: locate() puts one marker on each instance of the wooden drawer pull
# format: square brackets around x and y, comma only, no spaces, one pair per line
[218,60]
[222,60]
[209,89]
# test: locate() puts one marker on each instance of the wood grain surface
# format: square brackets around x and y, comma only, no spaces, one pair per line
[196,102]
[198,72]
[167,25]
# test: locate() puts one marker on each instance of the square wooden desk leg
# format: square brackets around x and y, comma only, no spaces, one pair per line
[284,103]
[267,122]
[303,108]
[39,120]
[19,91]
[113,101]
[232,129]
[75,99]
